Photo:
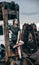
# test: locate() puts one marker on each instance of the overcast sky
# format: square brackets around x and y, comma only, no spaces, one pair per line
[29,10]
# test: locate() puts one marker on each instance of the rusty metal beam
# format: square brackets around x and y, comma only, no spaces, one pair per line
[5,20]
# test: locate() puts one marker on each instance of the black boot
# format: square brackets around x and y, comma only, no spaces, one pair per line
[21,61]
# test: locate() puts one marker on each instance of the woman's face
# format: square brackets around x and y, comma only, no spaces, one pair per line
[16,23]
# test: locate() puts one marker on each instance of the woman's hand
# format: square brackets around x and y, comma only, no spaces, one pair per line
[18,44]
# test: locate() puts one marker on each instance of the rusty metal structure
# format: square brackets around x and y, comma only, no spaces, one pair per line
[8,11]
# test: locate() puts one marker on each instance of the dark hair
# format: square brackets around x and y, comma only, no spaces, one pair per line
[14,21]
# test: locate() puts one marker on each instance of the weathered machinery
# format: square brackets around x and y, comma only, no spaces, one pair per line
[10,6]
[10,11]
[7,11]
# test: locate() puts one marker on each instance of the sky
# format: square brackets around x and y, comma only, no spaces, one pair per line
[29,10]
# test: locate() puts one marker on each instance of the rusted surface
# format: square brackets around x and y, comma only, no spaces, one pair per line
[5,19]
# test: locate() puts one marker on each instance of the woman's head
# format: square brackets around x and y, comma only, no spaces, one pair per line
[15,22]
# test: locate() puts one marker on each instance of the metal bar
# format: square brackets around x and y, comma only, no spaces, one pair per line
[5,19]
